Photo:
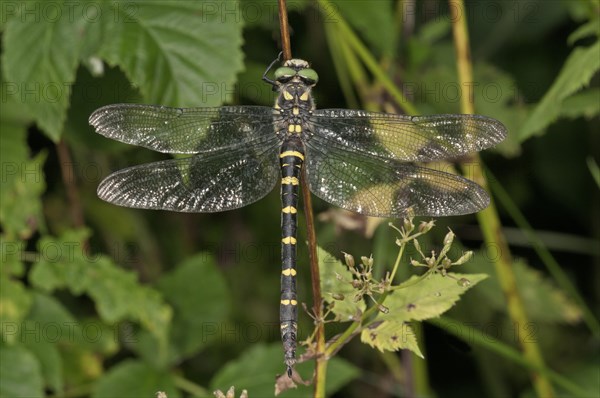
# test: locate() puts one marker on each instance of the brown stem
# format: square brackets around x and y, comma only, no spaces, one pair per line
[68,177]
[320,366]
[285,31]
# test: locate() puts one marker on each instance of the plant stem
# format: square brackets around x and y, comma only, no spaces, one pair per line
[190,387]
[68,177]
[285,31]
[321,359]
[549,261]
[474,336]
[488,218]
[365,55]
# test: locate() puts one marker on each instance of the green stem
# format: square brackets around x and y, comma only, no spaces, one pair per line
[420,375]
[488,218]
[365,55]
[397,262]
[551,264]
[474,336]
[190,387]
[339,53]
[354,326]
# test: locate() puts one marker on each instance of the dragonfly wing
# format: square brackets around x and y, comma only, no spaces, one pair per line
[221,180]
[184,130]
[406,138]
[388,188]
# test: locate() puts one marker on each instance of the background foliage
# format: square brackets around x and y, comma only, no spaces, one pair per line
[98,301]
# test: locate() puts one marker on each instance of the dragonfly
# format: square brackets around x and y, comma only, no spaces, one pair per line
[367,162]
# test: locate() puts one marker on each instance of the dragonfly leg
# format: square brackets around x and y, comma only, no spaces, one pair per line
[264,76]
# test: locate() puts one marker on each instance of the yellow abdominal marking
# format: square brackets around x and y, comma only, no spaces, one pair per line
[289,272]
[291,128]
[289,240]
[289,302]
[290,180]
[289,209]
[298,128]
[292,153]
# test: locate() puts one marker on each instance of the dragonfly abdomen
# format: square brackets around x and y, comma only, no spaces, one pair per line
[291,160]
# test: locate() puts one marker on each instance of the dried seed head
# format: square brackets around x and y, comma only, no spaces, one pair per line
[367,261]
[349,259]
[425,227]
[464,258]
[446,263]
[449,238]
[408,225]
[417,245]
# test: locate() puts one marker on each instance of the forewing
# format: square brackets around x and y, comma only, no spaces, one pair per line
[217,181]
[405,138]
[388,188]
[184,130]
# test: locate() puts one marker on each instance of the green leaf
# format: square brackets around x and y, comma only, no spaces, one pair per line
[580,67]
[591,28]
[117,293]
[132,378]
[201,303]
[20,374]
[493,90]
[50,361]
[250,87]
[335,281]
[179,53]
[497,96]
[255,370]
[81,365]
[544,302]
[41,54]
[22,181]
[12,252]
[585,103]
[15,302]
[375,23]
[48,326]
[594,170]
[390,336]
[57,325]
[585,375]
[428,298]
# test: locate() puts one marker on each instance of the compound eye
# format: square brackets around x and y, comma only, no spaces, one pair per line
[308,75]
[284,73]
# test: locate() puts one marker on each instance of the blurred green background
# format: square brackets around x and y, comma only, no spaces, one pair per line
[98,300]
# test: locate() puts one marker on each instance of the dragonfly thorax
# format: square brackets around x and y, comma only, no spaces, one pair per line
[294,105]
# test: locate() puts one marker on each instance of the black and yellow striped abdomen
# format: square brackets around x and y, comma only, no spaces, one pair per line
[291,159]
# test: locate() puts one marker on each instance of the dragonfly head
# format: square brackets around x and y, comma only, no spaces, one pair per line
[296,70]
